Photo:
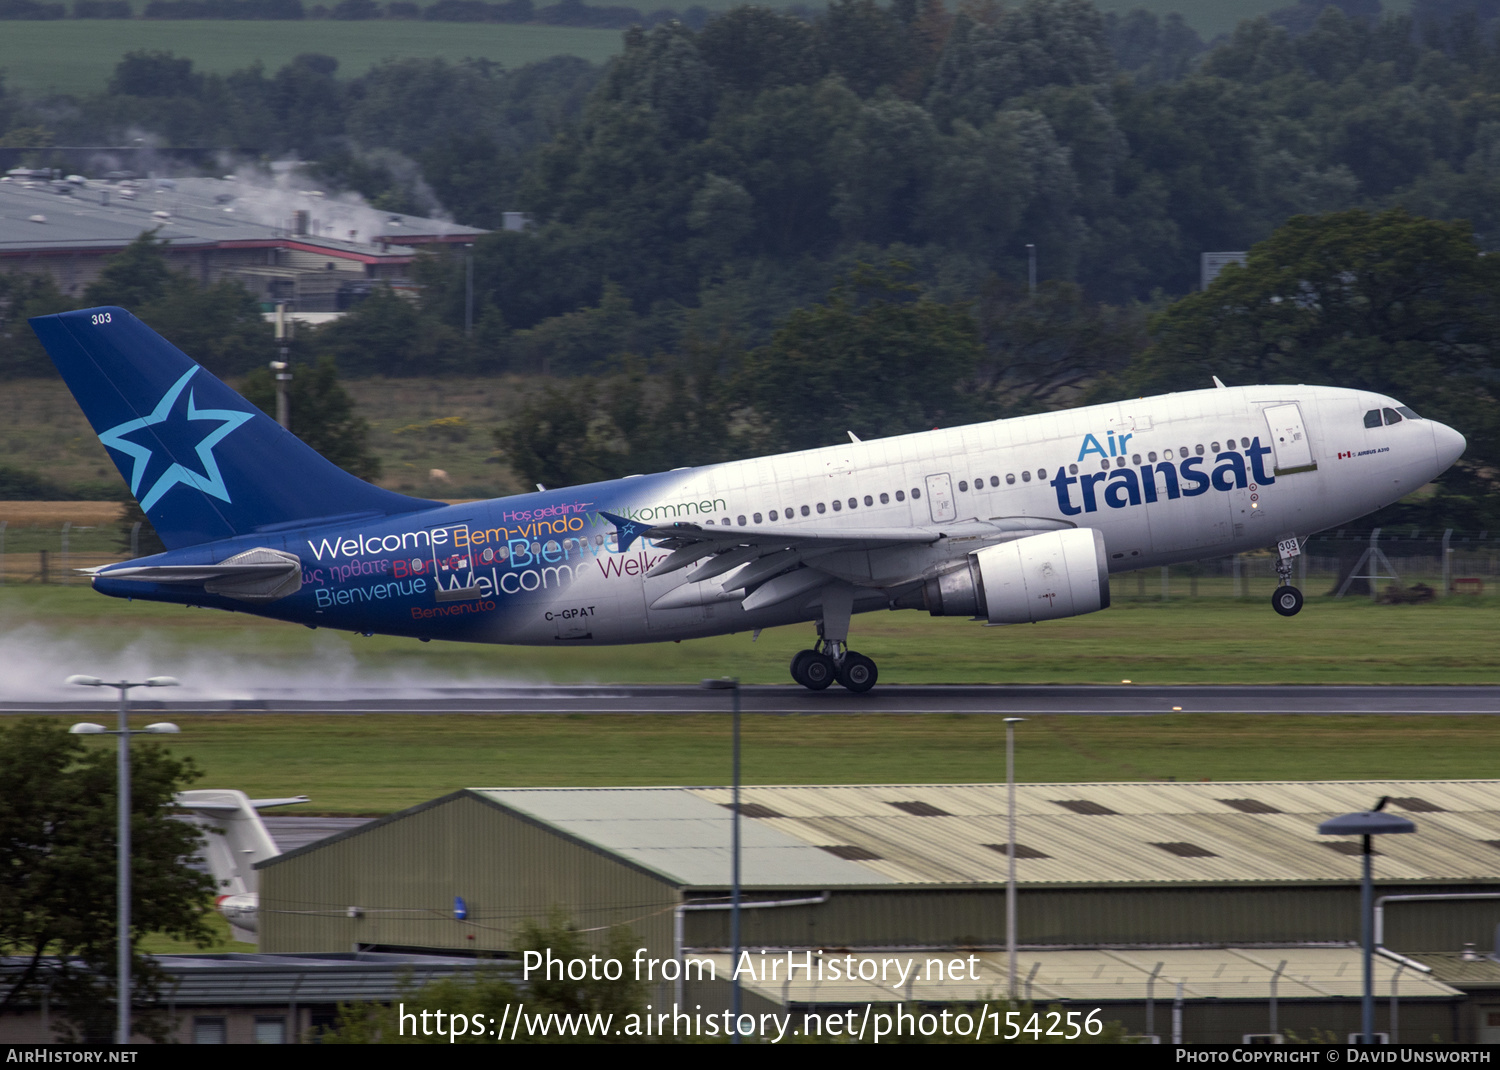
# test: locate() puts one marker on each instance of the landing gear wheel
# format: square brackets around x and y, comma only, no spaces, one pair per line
[799,665]
[817,671]
[858,673]
[1287,601]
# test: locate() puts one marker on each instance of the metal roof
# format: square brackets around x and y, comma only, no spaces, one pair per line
[190,213]
[1081,976]
[685,838]
[1103,833]
[332,977]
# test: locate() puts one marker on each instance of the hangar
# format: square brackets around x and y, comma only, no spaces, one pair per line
[1122,887]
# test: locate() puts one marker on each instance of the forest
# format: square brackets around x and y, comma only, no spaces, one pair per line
[776,227]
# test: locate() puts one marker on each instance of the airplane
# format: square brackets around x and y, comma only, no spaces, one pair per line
[1012,521]
[234,840]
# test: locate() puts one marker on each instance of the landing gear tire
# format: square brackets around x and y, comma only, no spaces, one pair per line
[799,664]
[1287,601]
[817,671]
[858,673]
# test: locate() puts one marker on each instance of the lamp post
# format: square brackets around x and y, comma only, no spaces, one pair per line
[1366,824]
[1010,849]
[732,685]
[122,834]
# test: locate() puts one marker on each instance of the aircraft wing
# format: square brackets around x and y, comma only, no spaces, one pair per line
[776,563]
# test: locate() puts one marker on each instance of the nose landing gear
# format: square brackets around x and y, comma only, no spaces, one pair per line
[1286,599]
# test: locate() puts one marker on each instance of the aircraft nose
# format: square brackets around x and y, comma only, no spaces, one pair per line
[1448,444]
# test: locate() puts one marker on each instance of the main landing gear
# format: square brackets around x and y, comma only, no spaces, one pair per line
[1286,599]
[818,668]
[831,659]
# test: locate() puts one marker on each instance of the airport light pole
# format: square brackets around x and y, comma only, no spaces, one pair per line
[122,833]
[1010,850]
[732,685]
[1367,824]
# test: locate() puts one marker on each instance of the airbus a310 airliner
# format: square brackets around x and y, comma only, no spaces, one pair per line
[1009,522]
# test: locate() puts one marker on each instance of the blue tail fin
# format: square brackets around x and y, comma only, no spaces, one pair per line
[203,462]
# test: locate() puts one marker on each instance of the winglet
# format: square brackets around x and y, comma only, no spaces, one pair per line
[628,530]
[1220,383]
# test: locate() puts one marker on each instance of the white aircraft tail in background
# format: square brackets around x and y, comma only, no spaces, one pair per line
[235,839]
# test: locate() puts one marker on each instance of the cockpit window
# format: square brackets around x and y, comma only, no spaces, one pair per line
[1391,416]
[1404,411]
[1372,418]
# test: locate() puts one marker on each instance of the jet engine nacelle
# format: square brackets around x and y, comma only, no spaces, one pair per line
[240,910]
[1041,577]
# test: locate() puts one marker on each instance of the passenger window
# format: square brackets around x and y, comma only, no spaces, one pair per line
[1010,477]
[1214,446]
[1372,418]
[1072,469]
[1104,464]
[901,495]
[1151,457]
[1200,449]
[1025,477]
[1404,411]
[1392,416]
[979,483]
[1244,443]
[885,499]
[1041,473]
[773,517]
[869,500]
[837,505]
[853,502]
[821,509]
[994,481]
[1119,462]
[915,493]
[1167,454]
[726,521]
[963,484]
[742,521]
[805,510]
[756,518]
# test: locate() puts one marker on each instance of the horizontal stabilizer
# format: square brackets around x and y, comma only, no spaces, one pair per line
[258,575]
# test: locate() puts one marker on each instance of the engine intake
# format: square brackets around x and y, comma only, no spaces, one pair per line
[1041,577]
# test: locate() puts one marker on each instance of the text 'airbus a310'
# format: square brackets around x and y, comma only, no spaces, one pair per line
[1009,522]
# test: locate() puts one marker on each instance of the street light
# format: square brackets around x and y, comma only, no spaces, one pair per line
[1367,823]
[122,835]
[732,685]
[1010,850]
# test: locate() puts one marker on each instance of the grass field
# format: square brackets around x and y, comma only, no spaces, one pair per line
[378,763]
[78,56]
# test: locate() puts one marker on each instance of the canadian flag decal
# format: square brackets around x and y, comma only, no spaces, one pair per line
[1346,453]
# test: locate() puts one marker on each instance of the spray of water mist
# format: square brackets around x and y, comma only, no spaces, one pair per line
[35,660]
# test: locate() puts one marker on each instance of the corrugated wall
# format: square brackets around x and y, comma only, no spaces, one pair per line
[1103,916]
[403,876]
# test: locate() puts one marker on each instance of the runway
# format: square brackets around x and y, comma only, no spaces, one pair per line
[789,699]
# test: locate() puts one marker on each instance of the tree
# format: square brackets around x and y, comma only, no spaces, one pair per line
[321,414]
[593,429]
[878,357]
[218,325]
[57,873]
[21,297]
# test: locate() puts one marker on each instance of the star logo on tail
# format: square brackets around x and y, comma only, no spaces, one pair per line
[209,481]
